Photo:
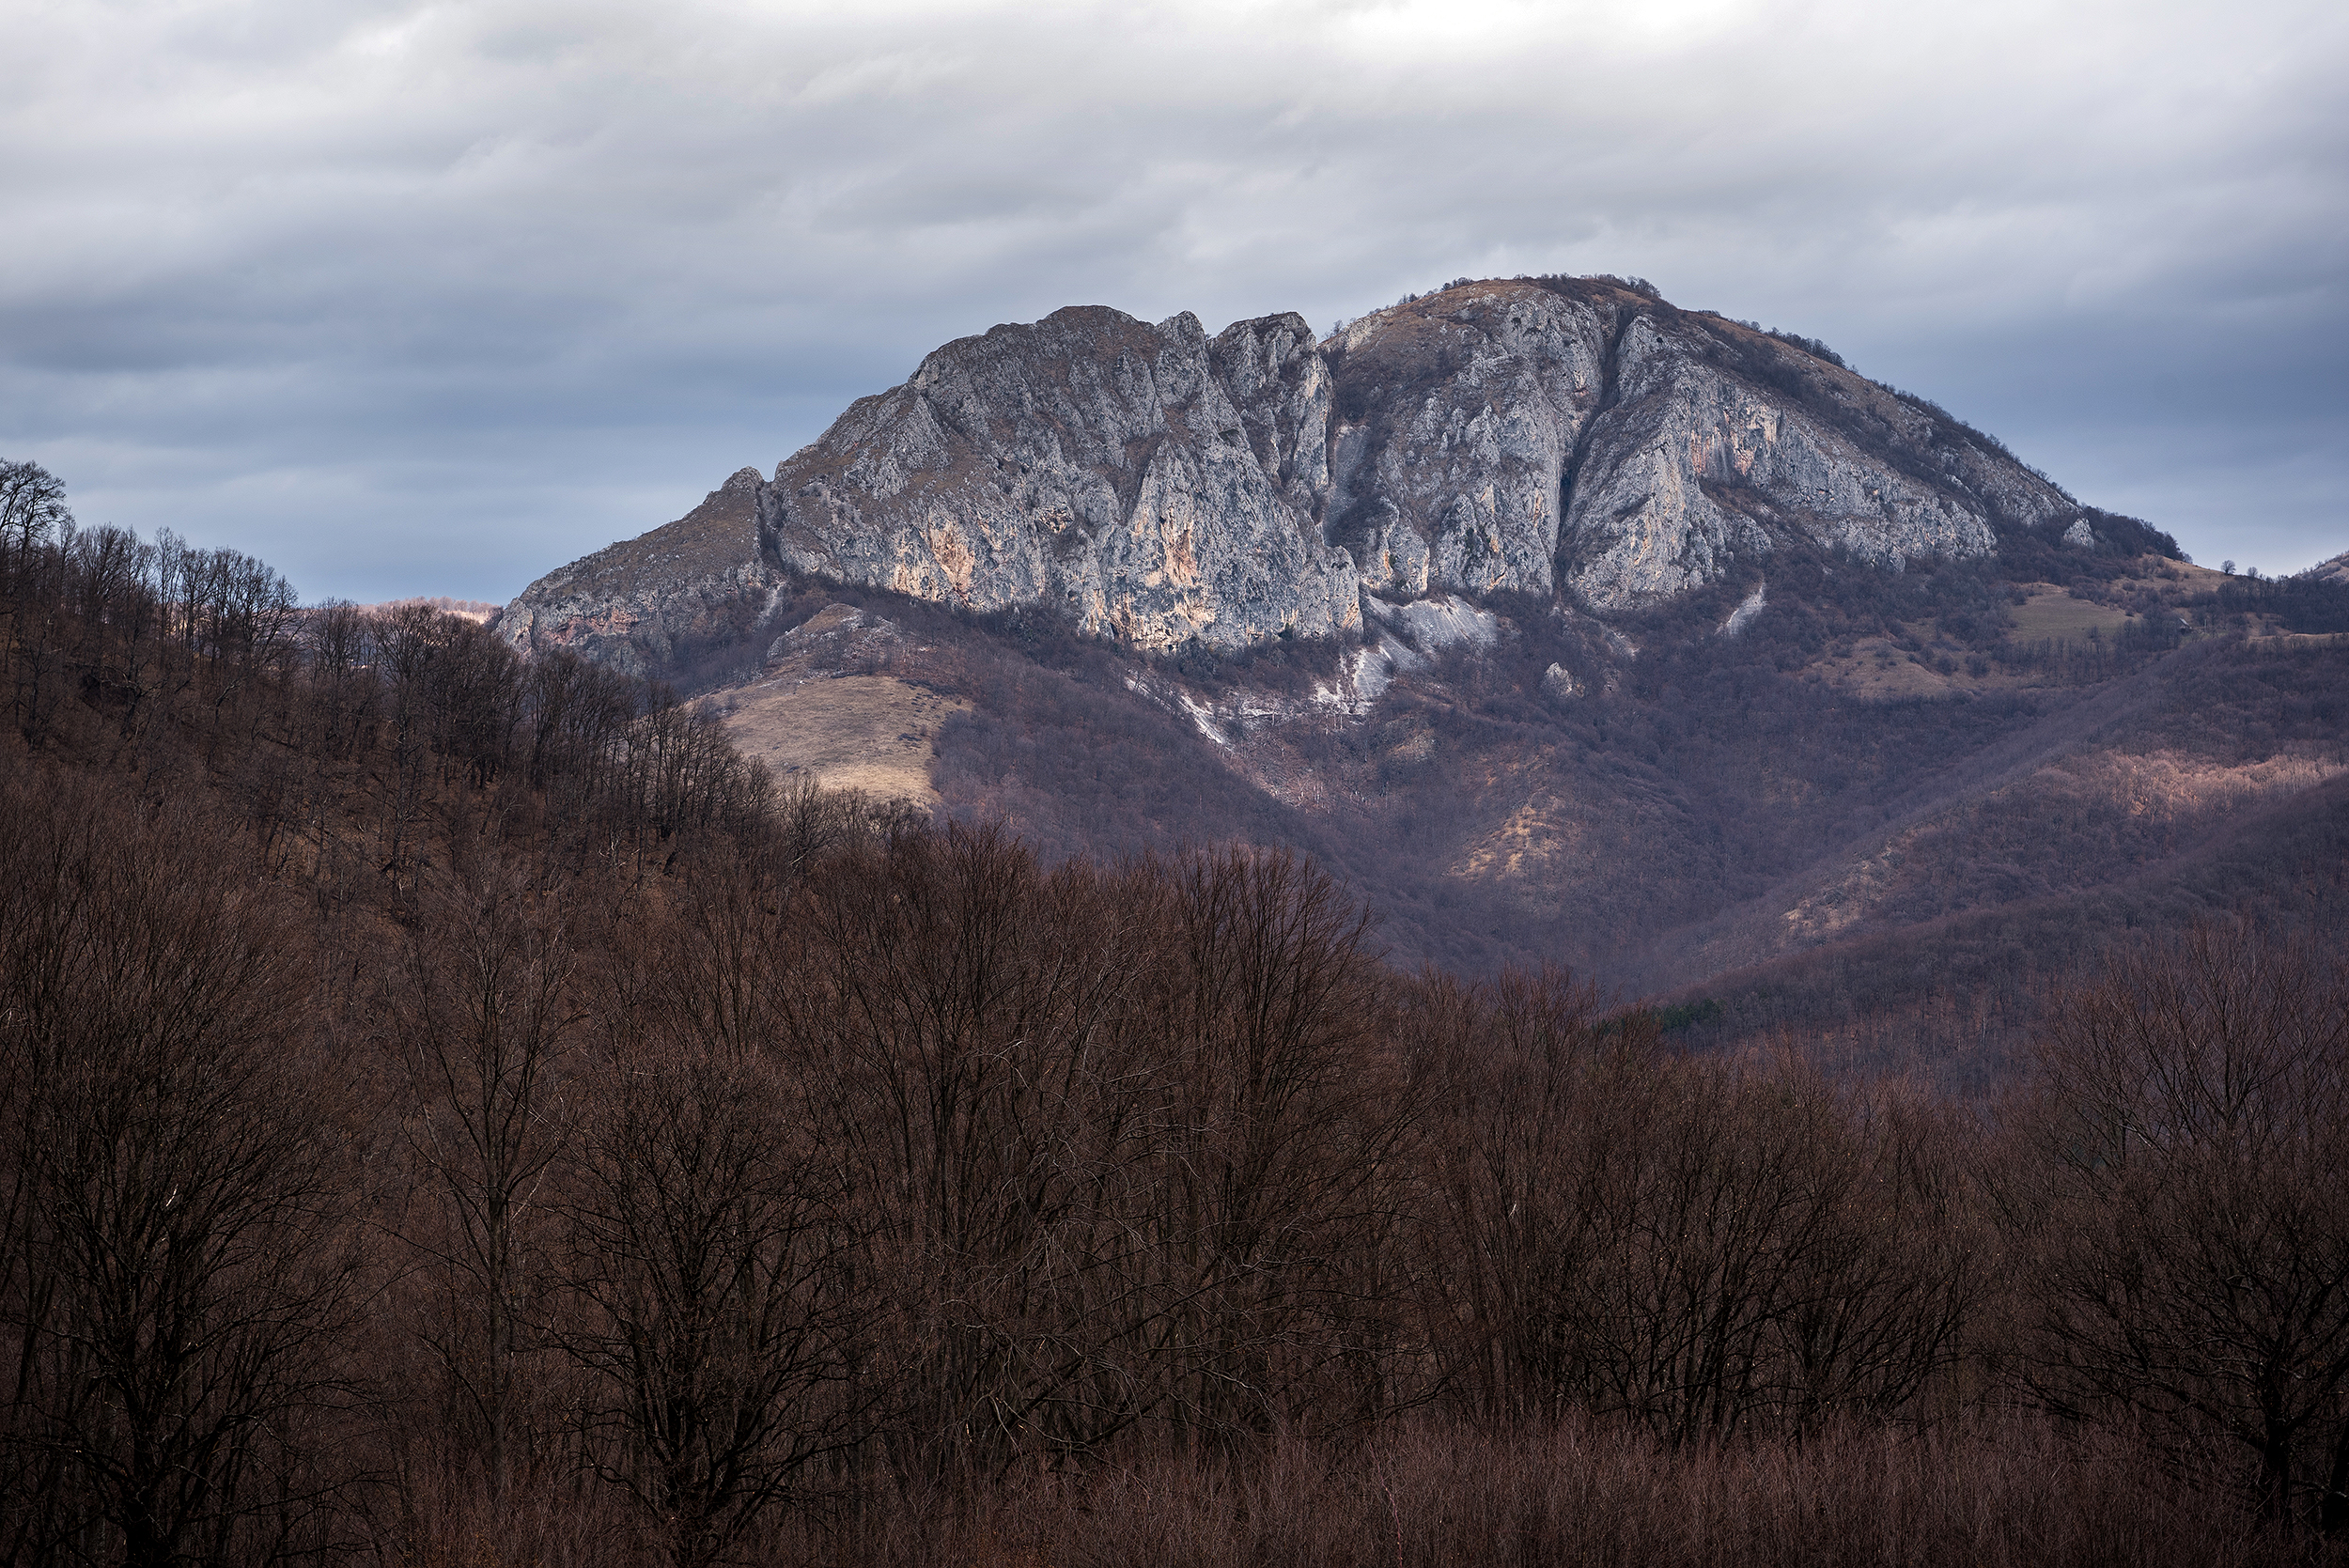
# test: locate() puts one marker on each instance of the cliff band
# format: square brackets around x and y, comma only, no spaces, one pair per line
[1573,439]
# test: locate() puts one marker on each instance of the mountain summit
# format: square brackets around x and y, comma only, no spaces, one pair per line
[1569,438]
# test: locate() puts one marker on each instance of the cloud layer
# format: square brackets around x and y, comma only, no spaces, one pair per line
[429,298]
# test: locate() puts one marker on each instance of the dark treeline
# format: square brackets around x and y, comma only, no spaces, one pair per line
[2297,604]
[454,1111]
[333,730]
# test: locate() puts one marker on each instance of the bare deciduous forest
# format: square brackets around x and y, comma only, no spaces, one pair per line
[456,1113]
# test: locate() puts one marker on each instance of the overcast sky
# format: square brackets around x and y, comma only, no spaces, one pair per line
[428,299]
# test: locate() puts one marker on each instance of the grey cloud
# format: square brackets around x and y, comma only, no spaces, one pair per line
[425,299]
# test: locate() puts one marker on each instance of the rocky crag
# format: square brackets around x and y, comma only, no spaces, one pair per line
[627,604]
[1573,439]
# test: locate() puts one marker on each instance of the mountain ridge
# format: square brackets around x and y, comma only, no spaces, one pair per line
[1571,439]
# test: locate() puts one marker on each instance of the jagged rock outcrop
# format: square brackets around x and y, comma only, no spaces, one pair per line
[1573,439]
[627,604]
[1147,481]
[1572,435]
[1458,418]
[1693,466]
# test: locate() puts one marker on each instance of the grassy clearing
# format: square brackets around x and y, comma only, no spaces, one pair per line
[873,732]
[2049,614]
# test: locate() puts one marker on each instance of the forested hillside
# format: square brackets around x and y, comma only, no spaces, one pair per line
[1808,824]
[455,1110]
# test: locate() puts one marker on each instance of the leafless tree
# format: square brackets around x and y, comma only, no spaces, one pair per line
[1510,1069]
[1702,1246]
[484,1013]
[716,1301]
[2189,1220]
[958,1022]
[180,1248]
[33,508]
[1280,1163]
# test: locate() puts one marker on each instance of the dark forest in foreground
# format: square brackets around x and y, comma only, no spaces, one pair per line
[453,1111]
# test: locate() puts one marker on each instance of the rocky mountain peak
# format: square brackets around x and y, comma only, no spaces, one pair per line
[1570,439]
[1147,482]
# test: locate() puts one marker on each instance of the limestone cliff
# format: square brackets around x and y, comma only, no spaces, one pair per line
[1573,439]
[1458,418]
[1571,435]
[1149,482]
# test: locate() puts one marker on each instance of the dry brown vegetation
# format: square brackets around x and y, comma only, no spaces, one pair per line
[455,1111]
[872,734]
[1658,828]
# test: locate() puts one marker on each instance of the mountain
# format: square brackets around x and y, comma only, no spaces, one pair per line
[1566,625]
[1567,437]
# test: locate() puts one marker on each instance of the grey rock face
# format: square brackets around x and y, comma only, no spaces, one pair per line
[1692,466]
[1749,607]
[627,604]
[834,635]
[1437,622]
[1563,439]
[1146,481]
[1458,417]
[1591,439]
